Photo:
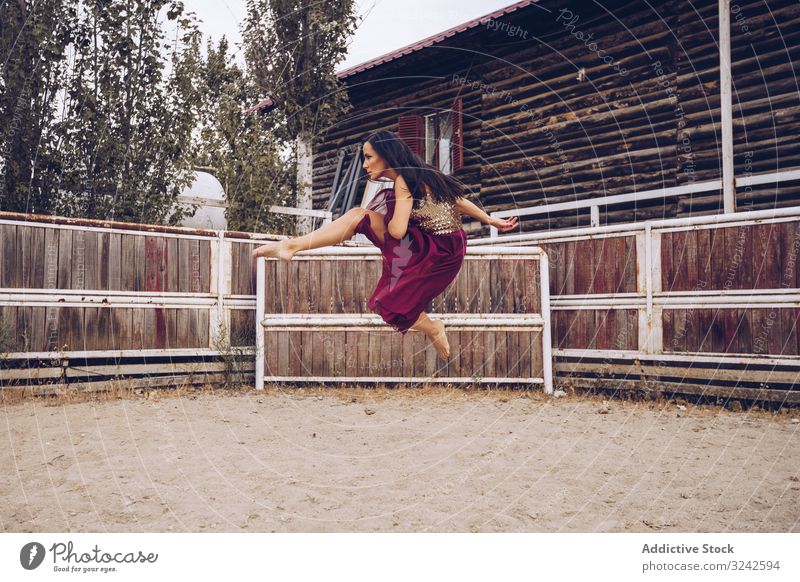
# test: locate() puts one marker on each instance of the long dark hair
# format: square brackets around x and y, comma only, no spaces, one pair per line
[415,171]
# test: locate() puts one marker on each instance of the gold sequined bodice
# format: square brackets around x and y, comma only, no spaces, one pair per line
[435,217]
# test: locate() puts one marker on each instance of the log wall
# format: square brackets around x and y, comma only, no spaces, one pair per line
[534,133]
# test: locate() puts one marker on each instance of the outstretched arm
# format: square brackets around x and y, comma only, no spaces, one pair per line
[464,206]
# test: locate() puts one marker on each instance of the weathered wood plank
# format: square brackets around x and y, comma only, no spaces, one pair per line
[284,339]
[513,347]
[307,353]
[204,249]
[790,332]
[120,335]
[36,259]
[570,263]
[584,262]
[155,264]
[603,266]
[703,259]
[138,319]
[117,262]
[468,356]
[691,240]
[92,260]
[271,352]
[64,277]
[51,259]
[718,261]
[128,263]
[730,265]
[680,261]
[537,362]
[490,353]
[103,253]
[8,328]
[325,287]
[501,355]
[631,264]
[339,349]
[453,366]
[139,262]
[408,354]
[9,247]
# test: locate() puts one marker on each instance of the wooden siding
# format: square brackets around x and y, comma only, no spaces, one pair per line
[535,134]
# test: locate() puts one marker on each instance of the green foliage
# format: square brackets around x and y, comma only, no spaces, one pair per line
[293,49]
[34,37]
[243,152]
[115,108]
[106,107]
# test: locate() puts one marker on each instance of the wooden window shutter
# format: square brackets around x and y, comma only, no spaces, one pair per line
[411,129]
[457,143]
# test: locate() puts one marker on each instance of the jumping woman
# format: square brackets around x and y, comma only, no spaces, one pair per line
[417,227]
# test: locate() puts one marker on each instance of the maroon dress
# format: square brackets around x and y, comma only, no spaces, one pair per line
[419,266]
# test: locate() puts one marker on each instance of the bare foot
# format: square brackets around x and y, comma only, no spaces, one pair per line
[277,250]
[438,338]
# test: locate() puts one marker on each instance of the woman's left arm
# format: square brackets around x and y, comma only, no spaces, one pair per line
[464,206]
[404,202]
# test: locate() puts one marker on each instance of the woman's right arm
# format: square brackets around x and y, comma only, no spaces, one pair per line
[464,206]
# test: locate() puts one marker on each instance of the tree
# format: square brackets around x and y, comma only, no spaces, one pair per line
[99,107]
[125,136]
[33,41]
[242,151]
[292,49]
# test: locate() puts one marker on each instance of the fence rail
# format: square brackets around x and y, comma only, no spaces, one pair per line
[594,204]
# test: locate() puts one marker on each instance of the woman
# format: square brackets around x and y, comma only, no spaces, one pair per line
[417,227]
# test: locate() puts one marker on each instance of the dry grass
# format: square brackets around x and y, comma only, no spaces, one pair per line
[438,393]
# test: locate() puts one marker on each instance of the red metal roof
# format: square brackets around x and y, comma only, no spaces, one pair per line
[262,106]
[432,40]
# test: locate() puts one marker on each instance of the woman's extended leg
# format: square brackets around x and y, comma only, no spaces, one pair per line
[340,230]
[434,330]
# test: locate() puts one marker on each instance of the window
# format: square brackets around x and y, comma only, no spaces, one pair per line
[435,137]
[438,140]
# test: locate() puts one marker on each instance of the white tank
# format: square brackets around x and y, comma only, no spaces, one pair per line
[207,193]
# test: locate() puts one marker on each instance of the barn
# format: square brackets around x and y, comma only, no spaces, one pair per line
[547,104]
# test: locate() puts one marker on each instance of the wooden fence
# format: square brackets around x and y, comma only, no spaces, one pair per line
[316,325]
[705,305]
[87,300]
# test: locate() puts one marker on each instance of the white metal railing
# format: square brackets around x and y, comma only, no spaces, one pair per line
[310,322]
[325,215]
[594,204]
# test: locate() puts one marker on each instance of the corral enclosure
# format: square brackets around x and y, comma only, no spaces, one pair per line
[703,306]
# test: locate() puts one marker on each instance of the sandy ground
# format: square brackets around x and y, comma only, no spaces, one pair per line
[439,459]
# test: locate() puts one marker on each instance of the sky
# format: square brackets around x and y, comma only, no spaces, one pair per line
[387,24]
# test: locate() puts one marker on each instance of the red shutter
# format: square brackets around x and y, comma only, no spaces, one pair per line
[457,143]
[411,129]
